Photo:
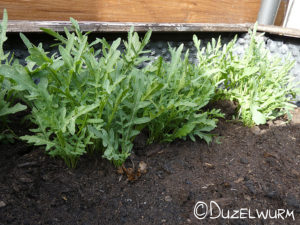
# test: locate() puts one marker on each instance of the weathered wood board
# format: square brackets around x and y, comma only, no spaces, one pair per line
[102,27]
[154,11]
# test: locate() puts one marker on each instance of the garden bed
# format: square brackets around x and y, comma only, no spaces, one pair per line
[255,168]
[102,108]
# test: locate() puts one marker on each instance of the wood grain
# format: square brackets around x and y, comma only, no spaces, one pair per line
[154,11]
[34,26]
[102,27]
[281,12]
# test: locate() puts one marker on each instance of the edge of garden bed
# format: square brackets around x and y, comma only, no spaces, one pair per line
[93,26]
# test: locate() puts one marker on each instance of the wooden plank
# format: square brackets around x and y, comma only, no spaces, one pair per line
[281,12]
[282,31]
[153,11]
[34,26]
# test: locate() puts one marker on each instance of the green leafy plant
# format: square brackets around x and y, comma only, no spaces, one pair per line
[89,99]
[177,109]
[84,99]
[7,96]
[259,82]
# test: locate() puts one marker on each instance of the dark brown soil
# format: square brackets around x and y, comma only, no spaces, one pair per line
[256,168]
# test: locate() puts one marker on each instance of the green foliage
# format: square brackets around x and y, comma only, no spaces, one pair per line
[84,99]
[177,108]
[260,83]
[6,94]
[90,100]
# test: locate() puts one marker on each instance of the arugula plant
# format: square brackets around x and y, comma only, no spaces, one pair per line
[85,99]
[123,112]
[89,99]
[7,96]
[259,82]
[177,109]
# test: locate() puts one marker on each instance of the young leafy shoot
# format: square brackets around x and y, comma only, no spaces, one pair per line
[7,95]
[259,82]
[177,109]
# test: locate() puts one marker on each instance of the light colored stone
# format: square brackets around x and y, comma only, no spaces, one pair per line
[2,204]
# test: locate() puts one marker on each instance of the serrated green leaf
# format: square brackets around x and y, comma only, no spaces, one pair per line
[69,121]
[257,116]
[185,130]
[11,110]
[38,141]
[54,34]
[141,120]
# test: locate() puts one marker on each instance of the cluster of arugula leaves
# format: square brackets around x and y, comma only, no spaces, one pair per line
[89,99]
[84,99]
[7,95]
[258,82]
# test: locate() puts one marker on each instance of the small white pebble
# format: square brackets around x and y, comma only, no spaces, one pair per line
[2,204]
[168,198]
